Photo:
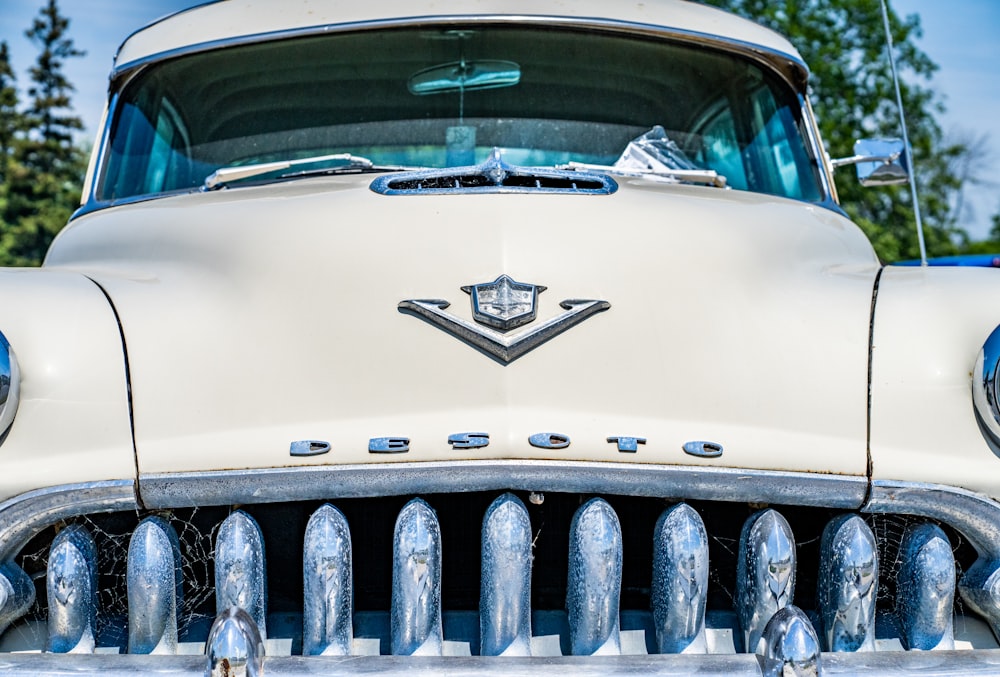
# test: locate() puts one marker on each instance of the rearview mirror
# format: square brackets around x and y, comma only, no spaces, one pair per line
[464,76]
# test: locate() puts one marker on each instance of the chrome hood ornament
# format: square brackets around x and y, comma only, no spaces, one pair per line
[497,308]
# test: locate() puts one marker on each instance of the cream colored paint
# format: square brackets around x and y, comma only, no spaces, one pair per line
[930,325]
[226,20]
[72,424]
[259,316]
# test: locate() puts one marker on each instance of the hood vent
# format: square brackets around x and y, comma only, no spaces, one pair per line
[493,176]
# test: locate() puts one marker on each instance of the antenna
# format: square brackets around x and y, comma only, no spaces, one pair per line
[906,139]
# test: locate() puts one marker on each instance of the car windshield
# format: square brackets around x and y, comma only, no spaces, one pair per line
[447,96]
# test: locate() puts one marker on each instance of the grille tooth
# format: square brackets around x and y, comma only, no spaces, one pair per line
[680,581]
[765,573]
[415,618]
[71,586]
[234,646]
[239,568]
[153,588]
[848,585]
[505,594]
[594,580]
[327,585]
[926,589]
[17,593]
[791,646]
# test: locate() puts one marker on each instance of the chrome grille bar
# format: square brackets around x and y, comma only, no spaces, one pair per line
[680,581]
[154,586]
[848,585]
[239,568]
[328,599]
[926,589]
[416,582]
[71,586]
[765,575]
[593,591]
[505,592]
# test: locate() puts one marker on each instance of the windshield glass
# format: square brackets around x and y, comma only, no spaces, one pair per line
[446,96]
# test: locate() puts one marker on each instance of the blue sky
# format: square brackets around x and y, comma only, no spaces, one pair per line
[961,36]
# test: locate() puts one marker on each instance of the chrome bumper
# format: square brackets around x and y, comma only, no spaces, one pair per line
[938,663]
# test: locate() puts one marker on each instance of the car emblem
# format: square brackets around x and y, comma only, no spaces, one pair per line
[503,303]
[497,308]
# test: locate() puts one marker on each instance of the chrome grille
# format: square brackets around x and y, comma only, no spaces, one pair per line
[490,575]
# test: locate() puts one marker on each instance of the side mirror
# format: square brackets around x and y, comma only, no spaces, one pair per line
[880,162]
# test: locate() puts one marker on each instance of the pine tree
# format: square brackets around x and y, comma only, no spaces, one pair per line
[46,169]
[10,118]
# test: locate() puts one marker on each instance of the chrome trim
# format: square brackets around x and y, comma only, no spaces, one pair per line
[680,581]
[703,449]
[765,574]
[848,585]
[505,590]
[309,448]
[627,445]
[388,445]
[821,157]
[469,440]
[975,516]
[504,289]
[790,67]
[972,663]
[267,485]
[93,181]
[25,515]
[327,584]
[791,647]
[501,347]
[497,172]
[984,386]
[155,583]
[240,577]
[71,590]
[549,440]
[235,647]
[594,580]
[415,616]
[925,588]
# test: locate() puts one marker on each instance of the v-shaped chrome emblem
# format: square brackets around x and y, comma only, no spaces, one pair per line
[498,307]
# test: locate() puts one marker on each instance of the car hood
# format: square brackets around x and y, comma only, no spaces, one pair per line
[256,317]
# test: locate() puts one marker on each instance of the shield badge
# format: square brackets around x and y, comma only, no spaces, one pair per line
[504,304]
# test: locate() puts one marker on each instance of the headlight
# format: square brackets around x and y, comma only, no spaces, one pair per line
[984,386]
[10,386]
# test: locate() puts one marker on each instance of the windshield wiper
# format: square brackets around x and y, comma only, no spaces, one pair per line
[345,162]
[707,177]
[654,154]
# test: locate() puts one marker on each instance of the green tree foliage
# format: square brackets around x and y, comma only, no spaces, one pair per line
[10,118]
[44,168]
[852,92]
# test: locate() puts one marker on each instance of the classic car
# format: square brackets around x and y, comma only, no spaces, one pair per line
[487,337]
